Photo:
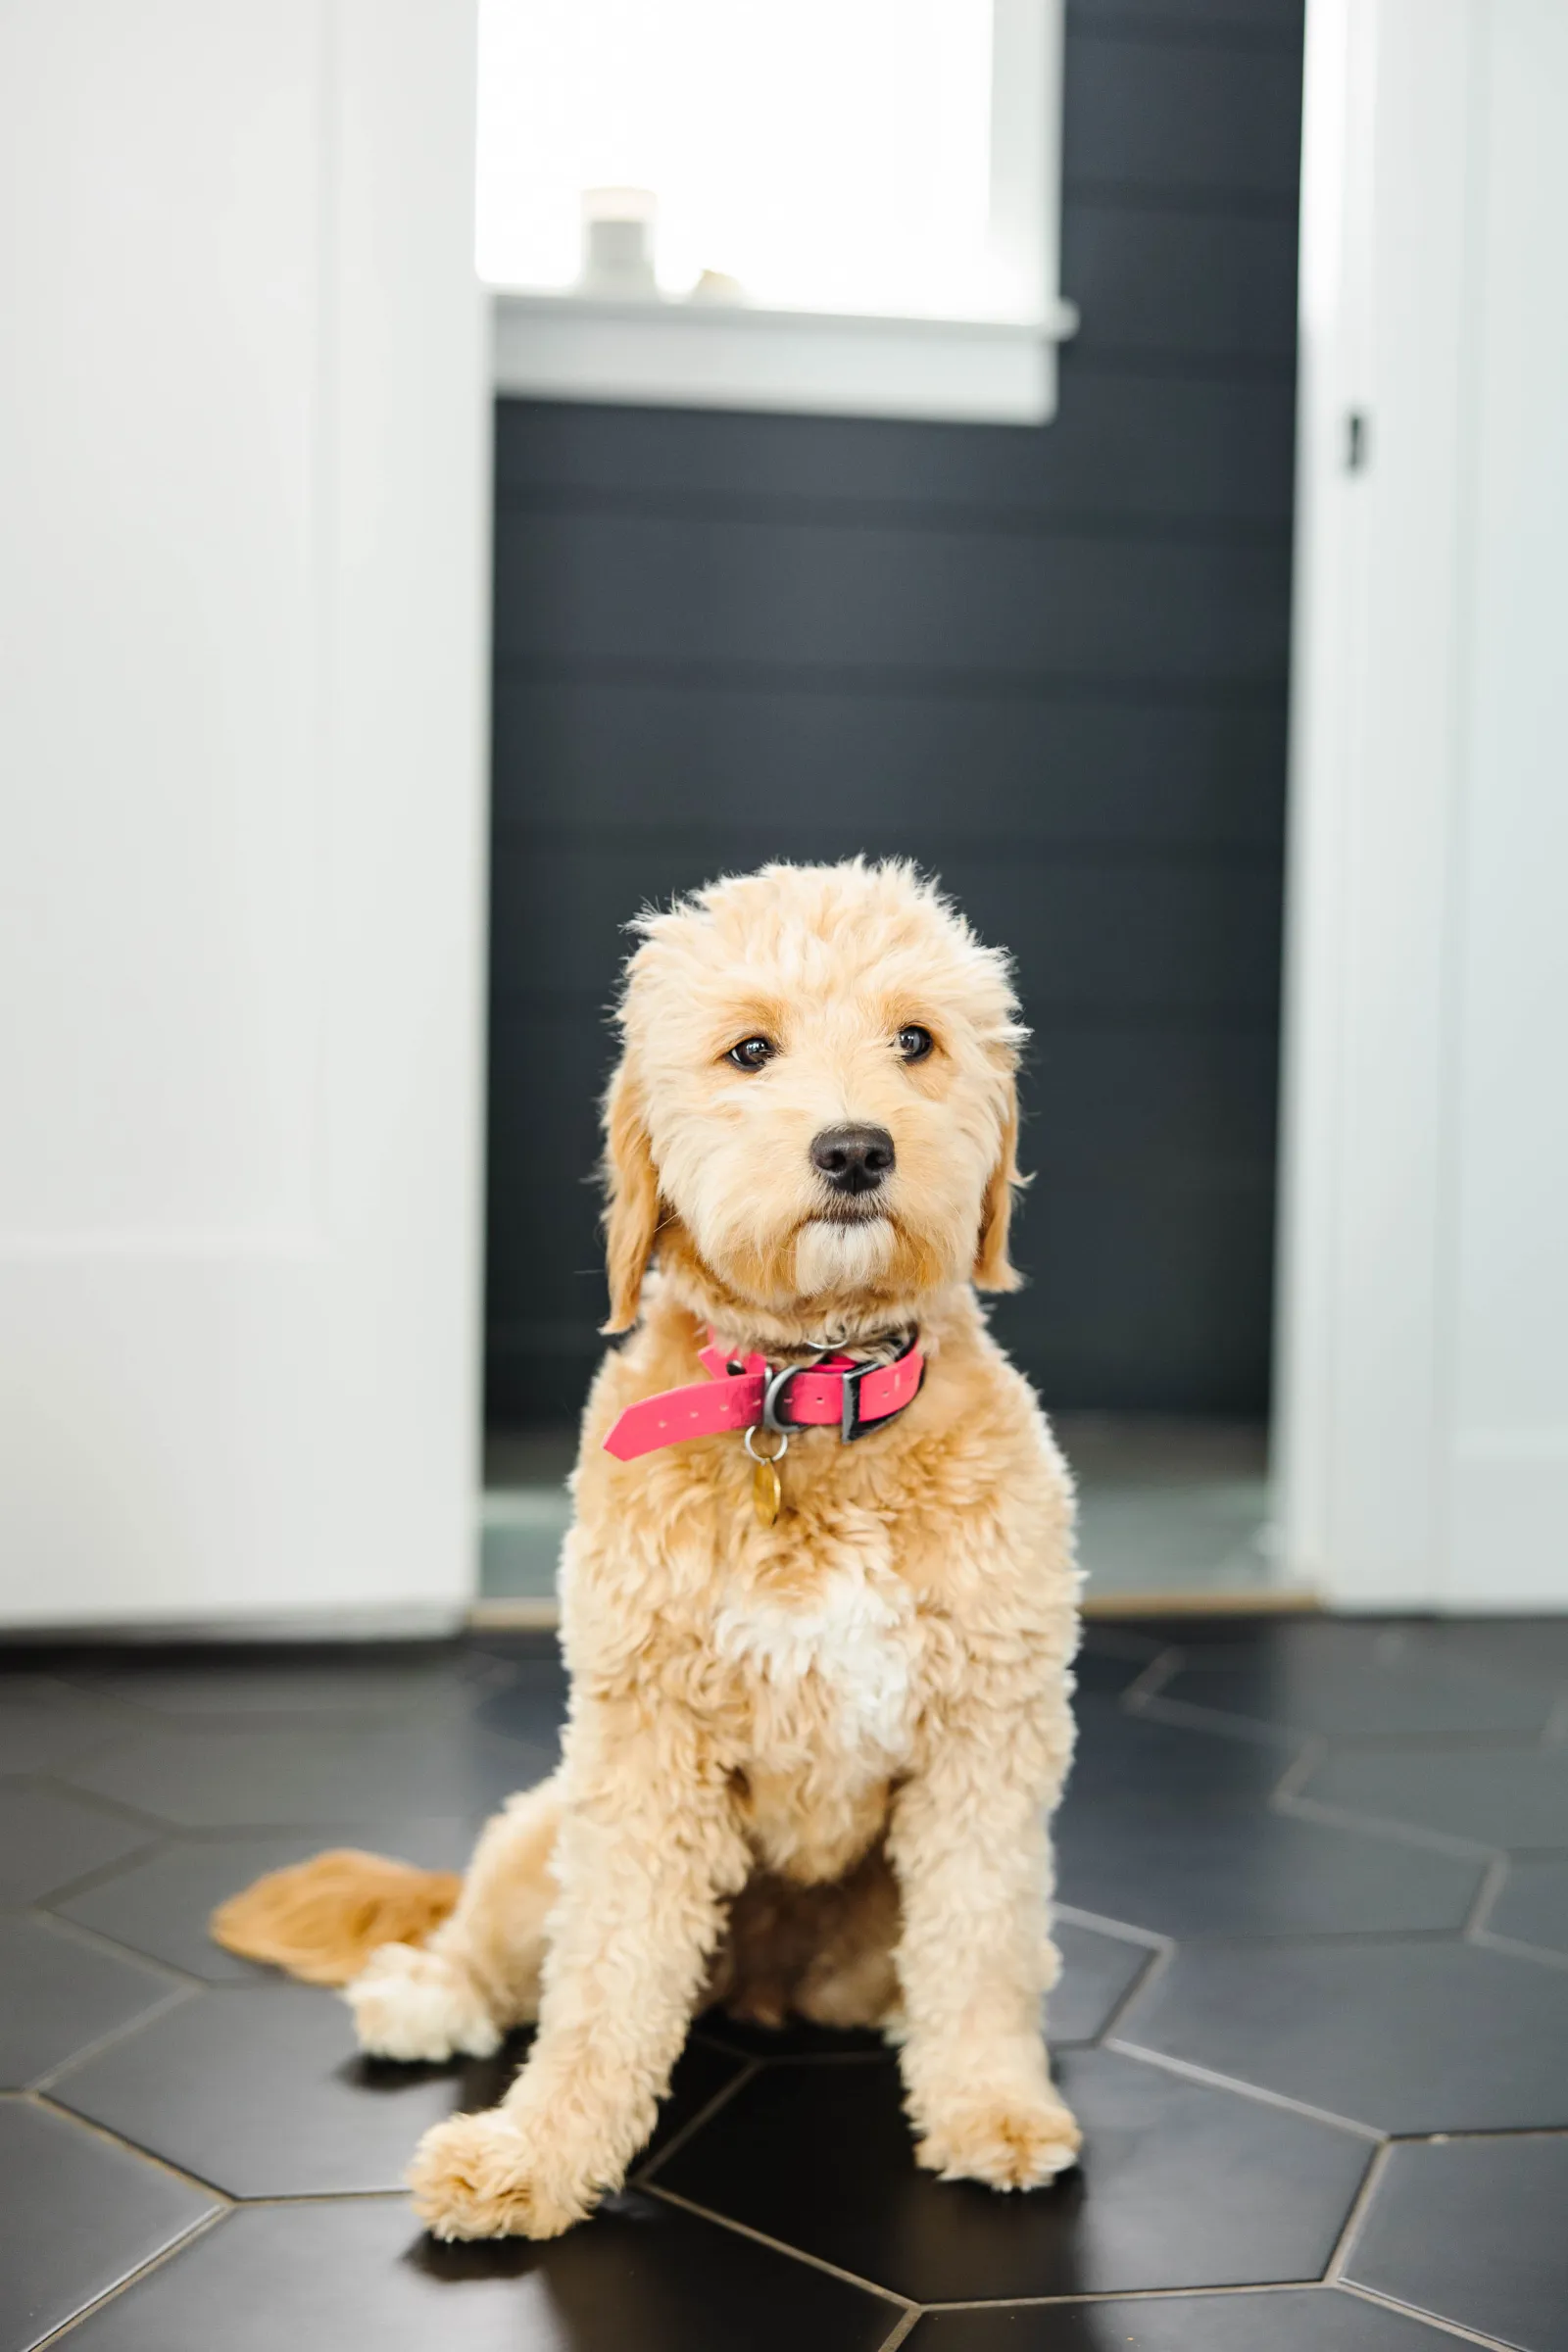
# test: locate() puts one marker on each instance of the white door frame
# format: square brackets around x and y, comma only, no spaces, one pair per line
[1422,1414]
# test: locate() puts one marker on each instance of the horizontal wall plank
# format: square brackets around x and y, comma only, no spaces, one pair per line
[1197,290]
[1207,23]
[1127,447]
[1150,937]
[955,603]
[1176,121]
[890,776]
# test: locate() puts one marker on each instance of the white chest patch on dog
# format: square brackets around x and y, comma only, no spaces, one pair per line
[852,1637]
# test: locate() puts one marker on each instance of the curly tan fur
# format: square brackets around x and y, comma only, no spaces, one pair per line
[809,1766]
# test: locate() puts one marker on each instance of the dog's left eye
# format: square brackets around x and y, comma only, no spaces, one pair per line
[914,1043]
[751,1052]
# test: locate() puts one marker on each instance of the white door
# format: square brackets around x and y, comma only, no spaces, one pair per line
[242,625]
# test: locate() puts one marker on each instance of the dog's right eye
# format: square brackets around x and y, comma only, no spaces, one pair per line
[751,1052]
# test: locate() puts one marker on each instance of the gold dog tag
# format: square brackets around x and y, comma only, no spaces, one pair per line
[766,1492]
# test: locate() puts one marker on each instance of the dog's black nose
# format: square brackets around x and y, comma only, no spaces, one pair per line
[854,1159]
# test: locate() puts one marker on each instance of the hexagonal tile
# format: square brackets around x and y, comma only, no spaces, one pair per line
[259,2091]
[1237,1868]
[821,2158]
[642,2277]
[335,1679]
[48,1839]
[1308,1679]
[80,2216]
[292,1775]
[1497,1797]
[45,1725]
[59,1995]
[1311,2320]
[1531,1906]
[1472,2232]
[161,1905]
[1124,1756]
[1530,1648]
[1400,2037]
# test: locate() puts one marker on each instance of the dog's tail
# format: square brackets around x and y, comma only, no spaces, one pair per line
[321,1919]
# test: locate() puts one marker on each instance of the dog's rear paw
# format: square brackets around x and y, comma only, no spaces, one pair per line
[480,2176]
[1007,2142]
[413,2004]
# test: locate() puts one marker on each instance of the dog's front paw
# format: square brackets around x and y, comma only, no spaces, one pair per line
[486,2175]
[413,2004]
[1008,2140]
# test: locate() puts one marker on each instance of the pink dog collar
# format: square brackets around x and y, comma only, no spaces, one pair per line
[748,1395]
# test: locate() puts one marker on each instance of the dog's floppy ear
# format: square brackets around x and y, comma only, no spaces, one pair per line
[993,1269]
[631,1211]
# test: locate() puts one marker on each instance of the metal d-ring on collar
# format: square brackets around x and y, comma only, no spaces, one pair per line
[774,1385]
[851,1425]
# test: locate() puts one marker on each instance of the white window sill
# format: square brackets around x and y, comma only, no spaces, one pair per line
[722,356]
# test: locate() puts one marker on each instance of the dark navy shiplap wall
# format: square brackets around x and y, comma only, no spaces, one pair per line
[1049,663]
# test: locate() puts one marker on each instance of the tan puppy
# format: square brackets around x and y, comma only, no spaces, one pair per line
[810,1762]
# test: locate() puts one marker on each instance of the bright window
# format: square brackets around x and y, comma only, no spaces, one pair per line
[850,156]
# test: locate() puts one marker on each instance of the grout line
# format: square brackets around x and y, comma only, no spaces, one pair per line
[104,1874]
[1419,2310]
[1380,1824]
[174,1998]
[1351,2227]
[50,2105]
[1119,1930]
[199,2229]
[1252,2090]
[1131,2294]
[1485,1941]
[1492,1884]
[1300,1769]
[1152,1969]
[329,2196]
[776,2245]
[900,2330]
[720,2098]
[1151,1681]
[94,1940]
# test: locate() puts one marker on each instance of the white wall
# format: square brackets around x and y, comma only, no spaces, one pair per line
[1423,1396]
[242,607]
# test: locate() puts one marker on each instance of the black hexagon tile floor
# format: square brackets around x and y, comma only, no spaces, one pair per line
[1317,2319]
[196,1777]
[1472,2232]
[259,2091]
[1240,1869]
[353,2273]
[1314,1879]
[80,2216]
[821,2158]
[1302,1679]
[60,1993]
[49,1838]
[1425,2036]
[1532,1904]
[1497,1796]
